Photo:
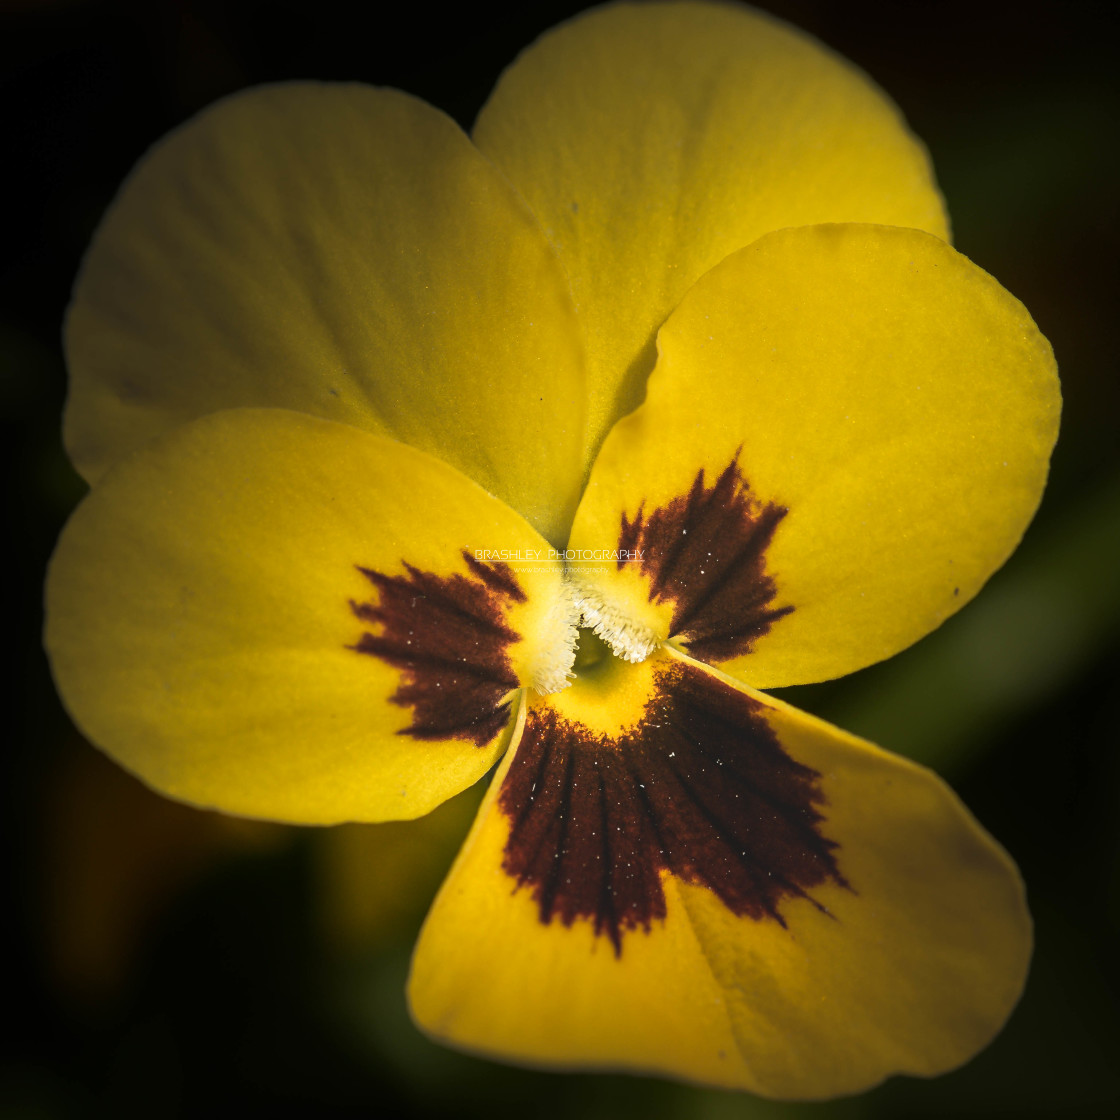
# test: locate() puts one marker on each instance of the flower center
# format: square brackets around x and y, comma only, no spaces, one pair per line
[604,633]
[591,653]
[628,639]
[607,695]
[588,635]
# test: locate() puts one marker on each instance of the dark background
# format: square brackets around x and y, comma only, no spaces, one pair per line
[165,962]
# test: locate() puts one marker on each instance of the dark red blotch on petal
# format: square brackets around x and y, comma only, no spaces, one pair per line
[700,788]
[706,552]
[448,636]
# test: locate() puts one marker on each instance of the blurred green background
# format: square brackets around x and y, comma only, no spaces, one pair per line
[164,962]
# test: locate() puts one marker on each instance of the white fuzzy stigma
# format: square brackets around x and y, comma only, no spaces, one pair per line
[552,670]
[628,640]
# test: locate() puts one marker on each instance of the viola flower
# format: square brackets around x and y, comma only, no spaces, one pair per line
[411,456]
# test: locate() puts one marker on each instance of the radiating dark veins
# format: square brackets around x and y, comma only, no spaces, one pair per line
[705,551]
[700,788]
[448,637]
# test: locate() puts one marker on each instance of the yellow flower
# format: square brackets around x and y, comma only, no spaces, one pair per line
[676,352]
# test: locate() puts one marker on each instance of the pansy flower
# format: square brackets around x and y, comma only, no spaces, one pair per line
[412,456]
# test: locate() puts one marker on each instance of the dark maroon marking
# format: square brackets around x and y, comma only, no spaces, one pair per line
[448,636]
[706,551]
[700,787]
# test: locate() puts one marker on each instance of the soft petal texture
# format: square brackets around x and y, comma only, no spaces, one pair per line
[342,251]
[651,140]
[911,967]
[891,396]
[201,628]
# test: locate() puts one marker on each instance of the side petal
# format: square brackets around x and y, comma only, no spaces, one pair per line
[847,432]
[342,251]
[284,617]
[652,140]
[726,891]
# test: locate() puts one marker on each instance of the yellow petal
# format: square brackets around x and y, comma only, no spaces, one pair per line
[653,140]
[722,889]
[873,418]
[285,617]
[342,251]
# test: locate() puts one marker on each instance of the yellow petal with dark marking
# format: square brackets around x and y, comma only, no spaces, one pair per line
[342,251]
[652,140]
[285,617]
[847,432]
[672,873]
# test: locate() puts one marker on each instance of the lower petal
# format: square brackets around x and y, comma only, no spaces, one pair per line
[722,889]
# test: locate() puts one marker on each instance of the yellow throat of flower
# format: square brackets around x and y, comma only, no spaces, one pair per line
[582,629]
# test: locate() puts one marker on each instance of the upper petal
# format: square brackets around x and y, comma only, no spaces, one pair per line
[338,250]
[692,879]
[652,140]
[281,616]
[847,432]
